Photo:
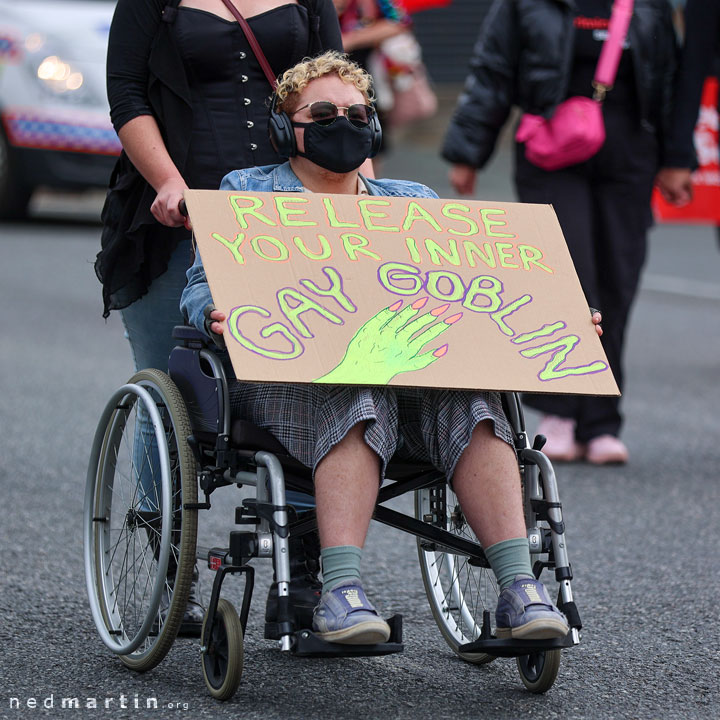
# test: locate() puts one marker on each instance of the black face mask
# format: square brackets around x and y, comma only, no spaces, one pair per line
[339,147]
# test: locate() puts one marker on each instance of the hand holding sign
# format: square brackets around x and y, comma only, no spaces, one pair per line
[390,343]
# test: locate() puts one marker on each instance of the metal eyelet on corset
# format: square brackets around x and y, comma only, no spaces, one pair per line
[250,123]
[253,146]
[242,55]
[247,101]
[243,78]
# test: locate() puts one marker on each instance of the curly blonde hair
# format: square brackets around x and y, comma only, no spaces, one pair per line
[293,81]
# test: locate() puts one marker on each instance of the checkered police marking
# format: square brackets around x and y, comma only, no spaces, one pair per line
[82,133]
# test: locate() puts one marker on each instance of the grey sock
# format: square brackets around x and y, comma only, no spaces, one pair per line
[509,558]
[340,563]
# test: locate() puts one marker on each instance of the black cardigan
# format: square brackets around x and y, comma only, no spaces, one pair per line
[130,259]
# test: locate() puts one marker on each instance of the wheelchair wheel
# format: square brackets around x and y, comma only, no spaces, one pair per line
[222,660]
[459,589]
[539,670]
[139,535]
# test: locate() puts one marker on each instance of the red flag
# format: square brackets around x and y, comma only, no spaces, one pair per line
[413,6]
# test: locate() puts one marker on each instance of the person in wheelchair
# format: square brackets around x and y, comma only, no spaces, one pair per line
[323,121]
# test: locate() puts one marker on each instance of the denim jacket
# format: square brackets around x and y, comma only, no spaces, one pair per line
[272,178]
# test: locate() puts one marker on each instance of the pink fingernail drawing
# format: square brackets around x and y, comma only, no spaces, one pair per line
[419,303]
[396,306]
[440,351]
[453,319]
[440,310]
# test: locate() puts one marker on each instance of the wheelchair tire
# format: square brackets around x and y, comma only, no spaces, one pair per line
[139,535]
[222,658]
[539,670]
[457,590]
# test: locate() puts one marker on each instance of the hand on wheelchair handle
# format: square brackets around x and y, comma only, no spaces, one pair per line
[165,207]
[182,209]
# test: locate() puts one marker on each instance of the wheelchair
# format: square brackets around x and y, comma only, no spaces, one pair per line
[140,536]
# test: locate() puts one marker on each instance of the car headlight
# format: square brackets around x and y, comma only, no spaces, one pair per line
[64,79]
[59,76]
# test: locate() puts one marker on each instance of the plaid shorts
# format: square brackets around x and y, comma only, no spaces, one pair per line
[414,424]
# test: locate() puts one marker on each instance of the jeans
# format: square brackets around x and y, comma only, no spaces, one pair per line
[149,323]
[150,320]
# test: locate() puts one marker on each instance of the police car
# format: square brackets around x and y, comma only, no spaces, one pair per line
[55,128]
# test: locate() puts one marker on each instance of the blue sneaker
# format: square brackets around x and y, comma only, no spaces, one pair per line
[345,615]
[525,611]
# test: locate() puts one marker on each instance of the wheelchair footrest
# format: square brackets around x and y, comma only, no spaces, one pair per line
[308,644]
[498,647]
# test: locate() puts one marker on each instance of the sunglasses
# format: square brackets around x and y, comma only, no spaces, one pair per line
[324,112]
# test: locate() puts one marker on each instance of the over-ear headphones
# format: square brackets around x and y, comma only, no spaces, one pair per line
[376,136]
[282,133]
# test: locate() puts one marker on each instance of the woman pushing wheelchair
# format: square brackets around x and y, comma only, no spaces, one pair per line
[323,121]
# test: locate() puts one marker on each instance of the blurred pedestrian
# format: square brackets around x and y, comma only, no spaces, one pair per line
[699,59]
[189,100]
[535,54]
[365,25]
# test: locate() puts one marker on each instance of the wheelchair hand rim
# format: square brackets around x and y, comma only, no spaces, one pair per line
[116,643]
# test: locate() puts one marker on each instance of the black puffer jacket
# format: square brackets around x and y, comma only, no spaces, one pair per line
[700,57]
[523,57]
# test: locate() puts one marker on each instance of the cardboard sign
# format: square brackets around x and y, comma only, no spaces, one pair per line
[705,205]
[353,289]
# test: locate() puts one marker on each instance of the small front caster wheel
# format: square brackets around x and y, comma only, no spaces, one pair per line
[222,660]
[539,670]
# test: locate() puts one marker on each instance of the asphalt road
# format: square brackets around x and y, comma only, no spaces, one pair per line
[643,539]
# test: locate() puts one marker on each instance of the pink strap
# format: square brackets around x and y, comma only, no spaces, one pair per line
[607,66]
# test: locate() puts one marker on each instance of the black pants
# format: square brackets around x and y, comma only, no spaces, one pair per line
[603,207]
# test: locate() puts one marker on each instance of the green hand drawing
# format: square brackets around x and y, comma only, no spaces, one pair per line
[390,343]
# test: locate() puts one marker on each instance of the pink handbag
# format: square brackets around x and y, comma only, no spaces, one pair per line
[414,100]
[576,131]
[399,60]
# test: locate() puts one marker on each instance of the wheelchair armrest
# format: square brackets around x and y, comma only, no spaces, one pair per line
[190,336]
[201,379]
